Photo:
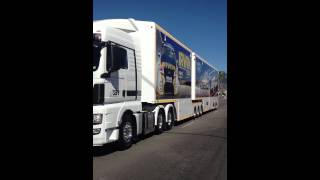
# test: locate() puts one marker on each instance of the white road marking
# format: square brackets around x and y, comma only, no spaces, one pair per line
[187,124]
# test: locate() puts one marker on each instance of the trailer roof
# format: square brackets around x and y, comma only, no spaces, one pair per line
[206,61]
[172,37]
[183,45]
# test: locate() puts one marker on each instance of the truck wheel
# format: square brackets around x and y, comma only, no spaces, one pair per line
[170,122]
[160,123]
[126,132]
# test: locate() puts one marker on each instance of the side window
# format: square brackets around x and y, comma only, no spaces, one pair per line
[120,58]
[117,58]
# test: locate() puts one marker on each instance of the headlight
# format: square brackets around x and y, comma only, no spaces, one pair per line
[96,131]
[97,118]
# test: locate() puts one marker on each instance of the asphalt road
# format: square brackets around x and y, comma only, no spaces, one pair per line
[194,149]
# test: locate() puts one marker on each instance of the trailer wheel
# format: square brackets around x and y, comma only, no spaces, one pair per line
[170,122]
[160,122]
[195,112]
[201,110]
[126,132]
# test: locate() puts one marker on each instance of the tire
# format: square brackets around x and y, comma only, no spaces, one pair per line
[126,132]
[201,110]
[195,112]
[170,122]
[199,113]
[160,122]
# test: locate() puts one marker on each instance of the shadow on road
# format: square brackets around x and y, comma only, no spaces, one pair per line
[112,147]
[193,134]
[105,149]
[178,123]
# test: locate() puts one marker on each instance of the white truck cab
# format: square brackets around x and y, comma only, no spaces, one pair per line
[115,86]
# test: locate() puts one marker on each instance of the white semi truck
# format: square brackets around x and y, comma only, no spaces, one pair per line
[144,80]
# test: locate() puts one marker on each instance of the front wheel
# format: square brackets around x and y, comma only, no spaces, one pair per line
[126,133]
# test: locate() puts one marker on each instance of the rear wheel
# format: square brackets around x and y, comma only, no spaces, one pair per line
[126,132]
[160,122]
[170,121]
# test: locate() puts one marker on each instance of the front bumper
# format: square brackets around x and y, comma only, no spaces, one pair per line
[108,128]
[105,136]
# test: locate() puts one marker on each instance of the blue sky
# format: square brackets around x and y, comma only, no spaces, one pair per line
[199,24]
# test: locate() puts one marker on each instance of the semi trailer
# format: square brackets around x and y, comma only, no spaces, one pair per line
[145,80]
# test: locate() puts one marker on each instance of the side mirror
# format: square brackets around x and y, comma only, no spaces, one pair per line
[110,62]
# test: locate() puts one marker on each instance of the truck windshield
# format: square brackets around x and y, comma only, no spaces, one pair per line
[96,54]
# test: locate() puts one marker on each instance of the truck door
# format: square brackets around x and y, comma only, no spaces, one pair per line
[131,84]
[121,81]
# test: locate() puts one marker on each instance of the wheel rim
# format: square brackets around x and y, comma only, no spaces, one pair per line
[127,132]
[160,121]
[169,118]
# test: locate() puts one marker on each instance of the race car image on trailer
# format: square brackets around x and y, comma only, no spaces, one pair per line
[206,80]
[173,68]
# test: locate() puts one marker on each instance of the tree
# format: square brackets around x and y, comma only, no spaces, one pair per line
[223,80]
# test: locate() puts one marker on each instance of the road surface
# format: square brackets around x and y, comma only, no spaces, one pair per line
[194,149]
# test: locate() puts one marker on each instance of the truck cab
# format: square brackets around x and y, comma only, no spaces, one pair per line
[115,84]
